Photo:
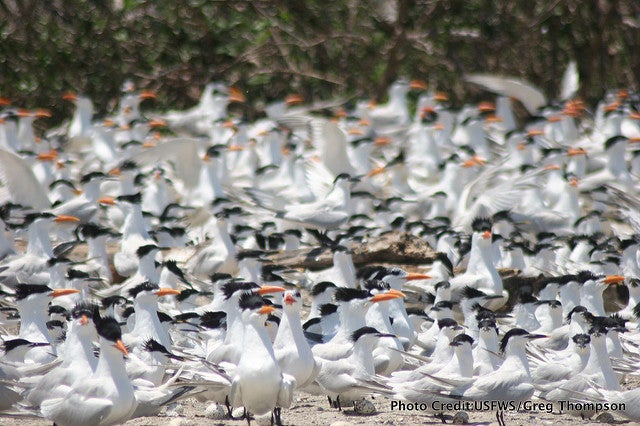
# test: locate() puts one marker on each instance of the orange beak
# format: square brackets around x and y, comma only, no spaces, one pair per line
[266,310]
[552,167]
[486,107]
[289,299]
[5,102]
[64,292]
[48,156]
[634,139]
[486,235]
[155,123]
[294,99]
[382,141]
[633,115]
[573,182]
[24,113]
[535,132]
[70,96]
[441,97]
[612,106]
[376,171]
[43,113]
[382,297]
[109,201]
[148,94]
[521,147]
[84,320]
[66,219]
[115,172]
[576,151]
[355,131]
[364,122]
[266,289]
[78,192]
[235,148]
[121,347]
[398,293]
[165,291]
[413,277]
[418,85]
[493,119]
[235,95]
[613,279]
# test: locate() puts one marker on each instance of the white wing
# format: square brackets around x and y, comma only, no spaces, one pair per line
[18,184]
[531,97]
[182,152]
[570,82]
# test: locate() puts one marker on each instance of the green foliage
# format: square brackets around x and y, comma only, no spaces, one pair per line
[320,49]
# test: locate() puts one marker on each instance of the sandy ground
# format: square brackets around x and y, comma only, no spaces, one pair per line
[314,410]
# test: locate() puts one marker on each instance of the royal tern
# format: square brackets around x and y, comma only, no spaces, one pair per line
[259,384]
[292,351]
[106,397]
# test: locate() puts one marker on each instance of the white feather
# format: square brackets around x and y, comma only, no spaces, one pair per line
[18,184]
[531,97]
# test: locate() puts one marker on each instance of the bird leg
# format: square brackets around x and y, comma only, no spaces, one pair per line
[331,405]
[277,411]
[441,417]
[338,403]
[229,410]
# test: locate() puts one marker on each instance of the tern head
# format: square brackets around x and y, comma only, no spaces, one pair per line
[116,300]
[578,313]
[517,336]
[482,226]
[461,340]
[149,291]
[449,327]
[368,335]
[443,305]
[254,307]
[229,288]
[487,326]
[582,341]
[84,312]
[93,231]
[27,292]
[17,346]
[322,287]
[213,320]
[110,333]
[130,199]
[292,300]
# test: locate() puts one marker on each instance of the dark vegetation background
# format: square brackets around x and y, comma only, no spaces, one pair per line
[318,48]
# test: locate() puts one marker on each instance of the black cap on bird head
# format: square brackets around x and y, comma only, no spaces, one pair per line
[250,300]
[481,224]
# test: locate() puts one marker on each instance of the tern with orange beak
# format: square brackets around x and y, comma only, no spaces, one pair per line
[104,398]
[259,385]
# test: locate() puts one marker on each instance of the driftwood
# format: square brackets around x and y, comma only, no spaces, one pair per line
[391,248]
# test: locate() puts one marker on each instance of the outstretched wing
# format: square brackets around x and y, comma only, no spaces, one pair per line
[18,184]
[531,97]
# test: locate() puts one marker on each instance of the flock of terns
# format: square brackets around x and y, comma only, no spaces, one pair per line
[136,255]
